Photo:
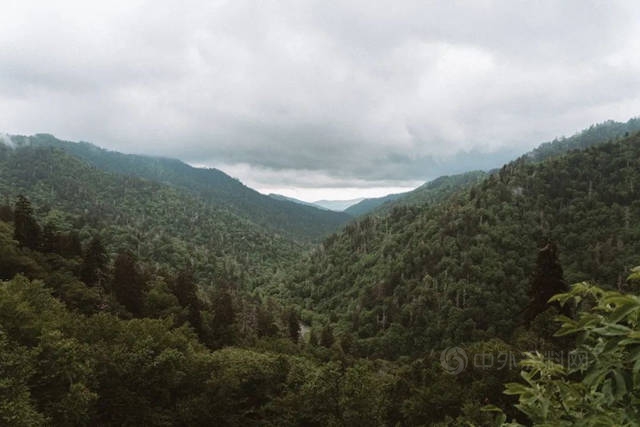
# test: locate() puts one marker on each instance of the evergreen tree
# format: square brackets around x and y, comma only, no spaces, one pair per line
[185,290]
[26,228]
[6,213]
[128,285]
[326,336]
[94,263]
[49,238]
[293,325]
[223,318]
[547,281]
[265,324]
[70,245]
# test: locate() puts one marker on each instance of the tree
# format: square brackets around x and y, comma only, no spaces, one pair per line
[221,325]
[26,228]
[128,285]
[94,263]
[185,289]
[326,336]
[49,238]
[293,325]
[598,384]
[547,281]
[69,244]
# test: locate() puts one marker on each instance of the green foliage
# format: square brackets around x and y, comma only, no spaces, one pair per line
[595,135]
[297,222]
[128,284]
[94,263]
[460,271]
[157,223]
[181,311]
[26,228]
[600,382]
[547,281]
[431,192]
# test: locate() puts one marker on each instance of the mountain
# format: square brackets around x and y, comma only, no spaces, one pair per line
[438,188]
[600,133]
[293,200]
[157,222]
[365,206]
[430,276]
[177,327]
[295,221]
[430,192]
[336,205]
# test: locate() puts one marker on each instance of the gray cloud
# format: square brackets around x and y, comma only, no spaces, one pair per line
[319,93]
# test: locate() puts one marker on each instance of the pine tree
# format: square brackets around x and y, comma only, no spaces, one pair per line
[94,263]
[223,318]
[185,289]
[128,285]
[326,336]
[70,245]
[293,325]
[547,281]
[26,228]
[49,238]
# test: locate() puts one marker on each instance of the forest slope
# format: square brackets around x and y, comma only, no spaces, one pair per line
[439,188]
[459,271]
[157,222]
[296,221]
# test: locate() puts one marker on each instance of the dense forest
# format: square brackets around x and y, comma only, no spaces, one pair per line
[438,188]
[297,222]
[133,292]
[432,276]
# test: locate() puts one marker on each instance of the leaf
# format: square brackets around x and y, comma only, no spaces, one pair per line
[612,330]
[623,311]
[516,388]
[594,377]
[621,384]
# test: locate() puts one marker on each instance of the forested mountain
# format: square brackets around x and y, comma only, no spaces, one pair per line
[427,277]
[157,222]
[365,206]
[595,134]
[438,188]
[296,221]
[430,192]
[126,301]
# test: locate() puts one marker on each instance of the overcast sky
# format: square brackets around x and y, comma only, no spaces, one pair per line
[319,99]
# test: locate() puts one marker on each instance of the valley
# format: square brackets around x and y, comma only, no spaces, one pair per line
[142,291]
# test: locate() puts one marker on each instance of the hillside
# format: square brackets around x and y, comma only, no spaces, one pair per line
[365,206]
[295,221]
[459,271]
[438,188]
[430,192]
[594,135]
[382,298]
[157,222]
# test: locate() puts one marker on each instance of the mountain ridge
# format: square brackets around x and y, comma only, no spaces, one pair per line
[297,222]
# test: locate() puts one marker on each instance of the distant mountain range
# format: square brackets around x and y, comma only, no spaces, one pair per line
[294,200]
[329,205]
[337,205]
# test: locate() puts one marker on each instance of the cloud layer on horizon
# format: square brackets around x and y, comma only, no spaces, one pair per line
[319,94]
